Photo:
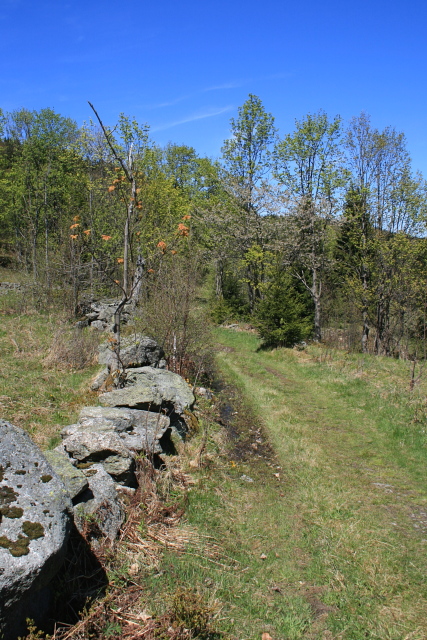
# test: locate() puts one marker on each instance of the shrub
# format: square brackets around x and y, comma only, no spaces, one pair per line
[284,316]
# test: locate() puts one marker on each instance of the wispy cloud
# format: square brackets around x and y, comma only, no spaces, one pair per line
[171,103]
[227,85]
[209,113]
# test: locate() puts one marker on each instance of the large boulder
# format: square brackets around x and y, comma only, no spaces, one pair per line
[35,522]
[135,351]
[152,389]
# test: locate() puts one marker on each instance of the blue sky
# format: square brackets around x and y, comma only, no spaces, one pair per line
[184,67]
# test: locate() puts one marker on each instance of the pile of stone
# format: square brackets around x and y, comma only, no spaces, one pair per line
[99,314]
[85,477]
[136,351]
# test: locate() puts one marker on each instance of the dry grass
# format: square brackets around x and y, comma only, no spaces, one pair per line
[73,348]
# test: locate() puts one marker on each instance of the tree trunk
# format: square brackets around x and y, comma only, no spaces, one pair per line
[219,278]
[137,277]
[316,295]
[365,331]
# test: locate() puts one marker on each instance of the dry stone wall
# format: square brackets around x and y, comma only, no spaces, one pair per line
[42,495]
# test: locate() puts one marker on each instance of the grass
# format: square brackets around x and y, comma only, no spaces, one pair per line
[307,513]
[36,393]
[349,525]
[329,540]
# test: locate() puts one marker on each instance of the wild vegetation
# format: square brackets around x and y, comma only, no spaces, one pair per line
[297,510]
[317,232]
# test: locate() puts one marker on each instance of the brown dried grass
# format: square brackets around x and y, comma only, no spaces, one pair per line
[72,348]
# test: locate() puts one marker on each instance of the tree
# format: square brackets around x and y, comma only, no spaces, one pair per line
[284,316]
[38,178]
[247,162]
[384,200]
[133,139]
[308,164]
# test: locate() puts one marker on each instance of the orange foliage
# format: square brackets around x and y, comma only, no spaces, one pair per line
[87,232]
[186,217]
[183,230]
[74,226]
[73,237]
[150,270]
[76,218]
[120,260]
[104,237]
[111,188]
[173,252]
[162,245]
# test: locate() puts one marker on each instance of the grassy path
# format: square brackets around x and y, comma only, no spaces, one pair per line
[345,522]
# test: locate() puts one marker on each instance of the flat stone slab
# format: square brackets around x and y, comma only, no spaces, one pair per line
[153,388]
[138,430]
[35,522]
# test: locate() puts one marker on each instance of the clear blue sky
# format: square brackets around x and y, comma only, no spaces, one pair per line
[184,66]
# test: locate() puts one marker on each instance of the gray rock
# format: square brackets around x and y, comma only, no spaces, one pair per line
[65,432]
[204,393]
[136,351]
[100,504]
[138,430]
[99,325]
[74,480]
[34,526]
[99,380]
[152,388]
[107,448]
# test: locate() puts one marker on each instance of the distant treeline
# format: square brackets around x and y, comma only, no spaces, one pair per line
[317,234]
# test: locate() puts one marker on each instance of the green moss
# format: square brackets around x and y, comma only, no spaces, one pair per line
[46,478]
[7,495]
[191,421]
[33,530]
[12,512]
[84,465]
[20,472]
[18,547]
[4,542]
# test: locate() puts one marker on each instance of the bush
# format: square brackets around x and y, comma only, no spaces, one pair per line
[284,316]
[169,313]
